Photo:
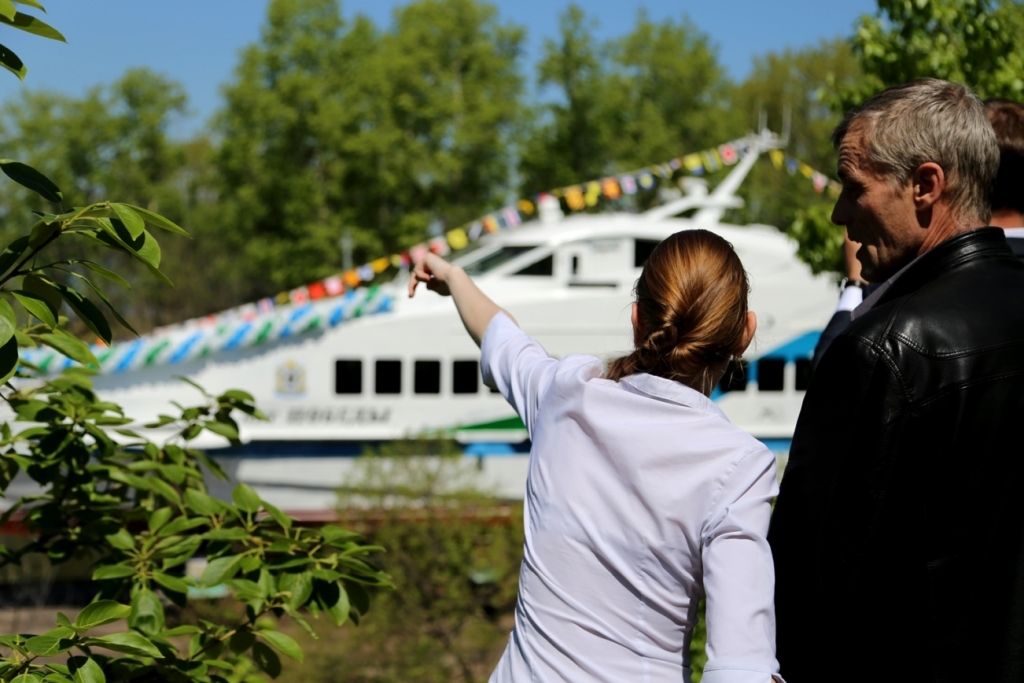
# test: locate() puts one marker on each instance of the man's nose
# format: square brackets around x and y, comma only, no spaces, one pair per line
[839,214]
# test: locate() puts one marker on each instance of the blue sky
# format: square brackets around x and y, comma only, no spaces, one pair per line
[196,42]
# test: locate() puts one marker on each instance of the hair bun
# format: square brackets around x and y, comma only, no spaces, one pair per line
[663,340]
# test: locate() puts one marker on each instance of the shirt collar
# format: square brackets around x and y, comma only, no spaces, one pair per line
[873,298]
[672,392]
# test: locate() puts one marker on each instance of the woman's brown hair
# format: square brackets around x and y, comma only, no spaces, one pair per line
[691,308]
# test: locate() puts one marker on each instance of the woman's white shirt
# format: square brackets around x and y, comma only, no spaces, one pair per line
[640,495]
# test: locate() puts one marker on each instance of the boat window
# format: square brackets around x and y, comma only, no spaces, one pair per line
[642,251]
[426,377]
[545,266]
[465,377]
[735,377]
[769,374]
[497,258]
[348,376]
[388,378]
[803,373]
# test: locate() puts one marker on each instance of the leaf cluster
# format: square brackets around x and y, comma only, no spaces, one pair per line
[138,510]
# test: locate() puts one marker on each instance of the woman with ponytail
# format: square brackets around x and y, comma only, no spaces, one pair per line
[641,497]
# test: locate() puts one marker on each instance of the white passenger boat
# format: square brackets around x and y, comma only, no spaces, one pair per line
[337,374]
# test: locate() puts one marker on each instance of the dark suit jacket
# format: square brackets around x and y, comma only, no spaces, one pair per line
[898,535]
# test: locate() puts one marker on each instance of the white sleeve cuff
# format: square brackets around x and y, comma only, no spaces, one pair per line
[850,298]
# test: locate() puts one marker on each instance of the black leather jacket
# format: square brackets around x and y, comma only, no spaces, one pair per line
[898,535]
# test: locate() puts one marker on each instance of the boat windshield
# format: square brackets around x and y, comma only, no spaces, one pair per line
[497,258]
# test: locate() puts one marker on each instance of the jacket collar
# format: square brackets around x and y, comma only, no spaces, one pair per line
[966,246]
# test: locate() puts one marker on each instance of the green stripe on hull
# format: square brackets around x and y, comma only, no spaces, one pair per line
[509,423]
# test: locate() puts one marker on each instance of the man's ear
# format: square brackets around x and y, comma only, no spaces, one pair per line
[749,329]
[928,182]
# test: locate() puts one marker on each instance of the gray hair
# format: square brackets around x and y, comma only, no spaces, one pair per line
[930,120]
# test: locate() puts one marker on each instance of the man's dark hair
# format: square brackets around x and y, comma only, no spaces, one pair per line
[1007,119]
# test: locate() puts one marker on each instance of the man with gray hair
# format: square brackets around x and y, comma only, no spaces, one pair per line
[898,534]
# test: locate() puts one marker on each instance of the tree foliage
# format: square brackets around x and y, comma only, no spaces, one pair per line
[970,41]
[333,126]
[138,510]
[654,93]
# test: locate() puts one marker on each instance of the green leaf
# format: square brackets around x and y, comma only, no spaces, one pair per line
[221,428]
[284,520]
[159,221]
[230,534]
[44,289]
[27,677]
[122,540]
[48,646]
[37,306]
[238,395]
[165,490]
[8,359]
[104,272]
[183,523]
[112,571]
[147,613]
[12,253]
[7,9]
[219,570]
[106,302]
[241,640]
[159,518]
[29,177]
[169,582]
[132,221]
[283,644]
[266,659]
[199,502]
[31,3]
[12,62]
[99,613]
[245,498]
[8,321]
[183,630]
[70,346]
[144,246]
[88,312]
[30,24]
[129,643]
[86,670]
[41,233]
[301,588]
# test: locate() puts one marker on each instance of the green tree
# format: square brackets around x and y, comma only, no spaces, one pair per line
[653,94]
[137,510]
[571,137]
[970,41]
[666,93]
[796,83]
[334,127]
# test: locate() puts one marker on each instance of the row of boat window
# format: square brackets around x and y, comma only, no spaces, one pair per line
[464,376]
[771,374]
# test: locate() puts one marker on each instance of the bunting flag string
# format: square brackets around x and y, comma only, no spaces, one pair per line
[820,181]
[350,294]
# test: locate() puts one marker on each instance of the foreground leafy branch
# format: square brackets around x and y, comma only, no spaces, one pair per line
[139,511]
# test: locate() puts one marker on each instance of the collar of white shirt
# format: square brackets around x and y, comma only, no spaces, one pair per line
[671,391]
